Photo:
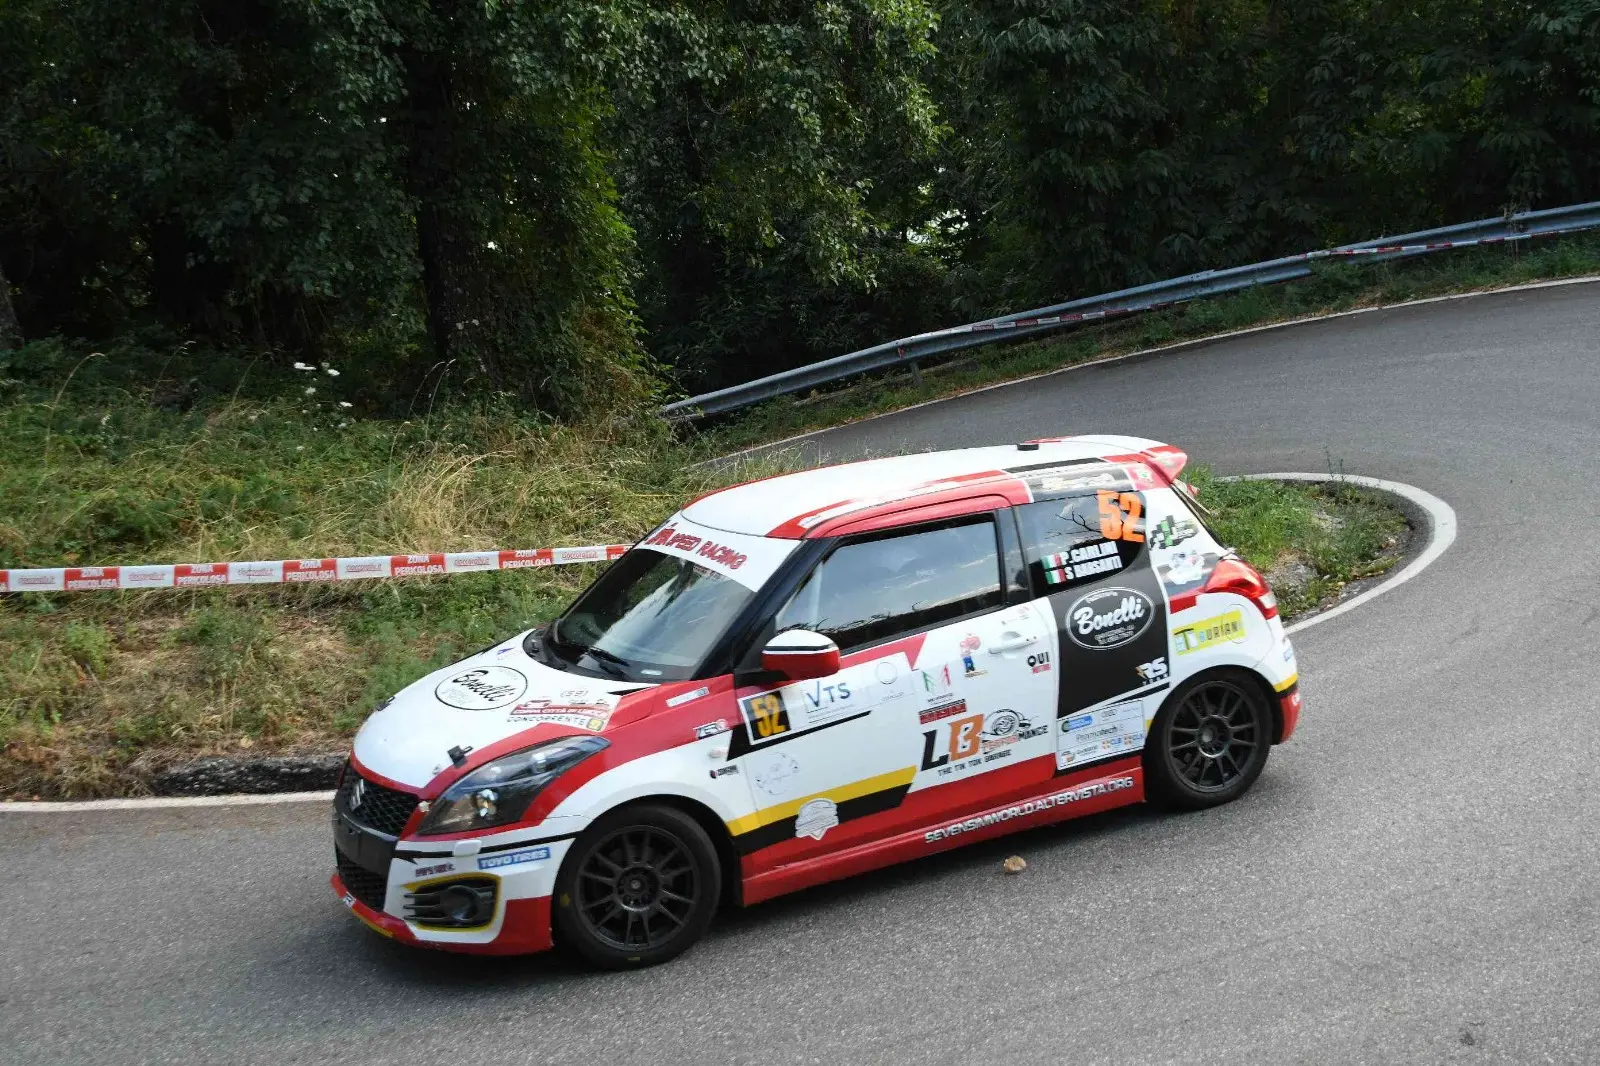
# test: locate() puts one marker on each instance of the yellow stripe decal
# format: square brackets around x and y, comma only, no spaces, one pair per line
[1294,679]
[854,790]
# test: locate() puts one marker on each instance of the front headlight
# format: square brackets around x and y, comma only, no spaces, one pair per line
[499,792]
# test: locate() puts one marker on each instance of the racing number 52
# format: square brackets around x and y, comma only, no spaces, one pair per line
[1119,515]
[766,714]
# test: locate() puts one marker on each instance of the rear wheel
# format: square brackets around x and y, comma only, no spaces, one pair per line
[638,887]
[1209,742]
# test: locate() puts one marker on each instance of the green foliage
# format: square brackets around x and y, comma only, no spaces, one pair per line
[773,157]
[1310,541]
[556,201]
[1101,143]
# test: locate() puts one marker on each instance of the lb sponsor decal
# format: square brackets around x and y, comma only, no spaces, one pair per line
[482,688]
[1021,810]
[1109,618]
[959,745]
[1210,632]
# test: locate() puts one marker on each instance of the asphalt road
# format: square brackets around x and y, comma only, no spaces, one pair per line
[1414,879]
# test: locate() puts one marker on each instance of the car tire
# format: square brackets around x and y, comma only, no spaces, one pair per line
[1209,742]
[638,887]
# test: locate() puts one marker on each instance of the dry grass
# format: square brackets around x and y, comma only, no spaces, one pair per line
[99,690]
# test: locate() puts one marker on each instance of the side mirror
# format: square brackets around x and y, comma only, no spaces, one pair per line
[800,655]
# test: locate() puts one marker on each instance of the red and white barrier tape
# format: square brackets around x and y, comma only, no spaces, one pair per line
[296,571]
[1431,246]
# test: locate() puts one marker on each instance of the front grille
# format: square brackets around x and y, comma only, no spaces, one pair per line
[383,809]
[363,884]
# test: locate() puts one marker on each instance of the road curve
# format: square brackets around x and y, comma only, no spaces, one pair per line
[1414,879]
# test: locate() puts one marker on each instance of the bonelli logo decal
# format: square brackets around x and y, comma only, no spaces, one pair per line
[482,688]
[1109,618]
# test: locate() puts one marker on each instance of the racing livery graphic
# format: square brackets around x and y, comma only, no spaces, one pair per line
[801,678]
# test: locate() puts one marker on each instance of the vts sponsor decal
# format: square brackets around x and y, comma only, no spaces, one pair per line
[1109,618]
[711,551]
[821,695]
[1022,810]
[1210,632]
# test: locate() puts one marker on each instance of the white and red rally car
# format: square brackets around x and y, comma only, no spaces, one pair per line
[805,677]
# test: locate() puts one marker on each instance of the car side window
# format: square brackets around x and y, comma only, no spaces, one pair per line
[1082,538]
[870,590]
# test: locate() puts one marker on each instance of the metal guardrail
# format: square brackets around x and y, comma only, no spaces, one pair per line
[1149,297]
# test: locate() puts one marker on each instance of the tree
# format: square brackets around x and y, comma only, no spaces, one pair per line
[772,155]
[10,328]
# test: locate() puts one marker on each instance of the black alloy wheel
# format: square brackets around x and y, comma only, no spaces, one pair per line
[1209,742]
[637,888]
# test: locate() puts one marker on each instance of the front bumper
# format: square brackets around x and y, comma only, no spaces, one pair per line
[523,926]
[386,882]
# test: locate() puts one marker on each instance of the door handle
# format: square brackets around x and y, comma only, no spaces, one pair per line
[1012,645]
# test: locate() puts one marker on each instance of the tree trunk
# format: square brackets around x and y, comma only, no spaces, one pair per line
[440,160]
[10,328]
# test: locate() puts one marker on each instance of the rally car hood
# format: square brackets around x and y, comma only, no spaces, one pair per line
[477,702]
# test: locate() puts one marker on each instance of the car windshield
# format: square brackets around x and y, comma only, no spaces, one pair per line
[651,617]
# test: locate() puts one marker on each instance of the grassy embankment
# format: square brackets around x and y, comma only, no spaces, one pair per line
[99,689]
[1334,286]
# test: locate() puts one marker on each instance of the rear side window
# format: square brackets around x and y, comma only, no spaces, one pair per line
[869,591]
[1078,539]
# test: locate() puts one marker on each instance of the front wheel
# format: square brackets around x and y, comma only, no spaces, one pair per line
[1209,742]
[639,887]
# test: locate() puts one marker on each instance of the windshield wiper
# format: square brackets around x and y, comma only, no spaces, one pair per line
[616,662]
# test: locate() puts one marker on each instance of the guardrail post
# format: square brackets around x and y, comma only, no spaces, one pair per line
[916,374]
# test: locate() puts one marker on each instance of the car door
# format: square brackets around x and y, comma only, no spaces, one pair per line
[1086,539]
[935,688]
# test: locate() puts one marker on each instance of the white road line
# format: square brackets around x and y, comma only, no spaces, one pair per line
[1176,346]
[1441,534]
[155,802]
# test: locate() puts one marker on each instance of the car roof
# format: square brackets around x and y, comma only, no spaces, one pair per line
[797,505]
